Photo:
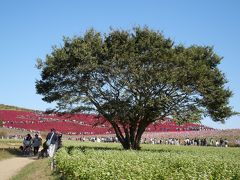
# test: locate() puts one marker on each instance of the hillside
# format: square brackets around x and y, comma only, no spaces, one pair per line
[78,124]
[8,107]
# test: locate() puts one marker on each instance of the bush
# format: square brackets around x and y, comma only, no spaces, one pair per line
[163,163]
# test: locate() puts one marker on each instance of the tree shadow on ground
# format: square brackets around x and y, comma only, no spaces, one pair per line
[85,148]
[12,151]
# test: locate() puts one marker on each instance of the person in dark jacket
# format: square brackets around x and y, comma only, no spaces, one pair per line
[52,138]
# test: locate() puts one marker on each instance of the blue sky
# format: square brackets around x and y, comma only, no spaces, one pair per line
[29,29]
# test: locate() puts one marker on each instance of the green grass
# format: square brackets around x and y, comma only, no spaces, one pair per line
[39,169]
[9,148]
[10,143]
[8,153]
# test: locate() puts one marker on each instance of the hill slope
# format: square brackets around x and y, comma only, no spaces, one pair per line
[8,107]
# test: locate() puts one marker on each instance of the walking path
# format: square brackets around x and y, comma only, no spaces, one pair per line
[10,167]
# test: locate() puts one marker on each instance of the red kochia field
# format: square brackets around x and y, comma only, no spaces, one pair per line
[79,124]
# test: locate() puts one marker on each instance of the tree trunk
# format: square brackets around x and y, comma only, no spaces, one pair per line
[123,140]
[133,139]
[130,136]
[138,136]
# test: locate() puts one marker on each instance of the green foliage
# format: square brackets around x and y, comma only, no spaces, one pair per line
[10,143]
[155,162]
[134,78]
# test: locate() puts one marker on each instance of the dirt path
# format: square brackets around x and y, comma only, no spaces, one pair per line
[10,167]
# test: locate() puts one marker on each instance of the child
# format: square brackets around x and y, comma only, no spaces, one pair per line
[43,153]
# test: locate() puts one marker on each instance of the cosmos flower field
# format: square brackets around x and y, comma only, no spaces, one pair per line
[108,161]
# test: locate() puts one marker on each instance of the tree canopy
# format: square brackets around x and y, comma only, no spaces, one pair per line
[134,78]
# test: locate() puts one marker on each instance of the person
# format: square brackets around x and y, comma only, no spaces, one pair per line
[27,142]
[53,138]
[36,144]
[59,144]
[225,142]
[221,142]
[44,152]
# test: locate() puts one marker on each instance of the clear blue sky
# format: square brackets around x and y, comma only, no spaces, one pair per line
[29,29]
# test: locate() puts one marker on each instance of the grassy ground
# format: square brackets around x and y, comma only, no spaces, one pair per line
[9,148]
[7,153]
[211,160]
[10,143]
[39,169]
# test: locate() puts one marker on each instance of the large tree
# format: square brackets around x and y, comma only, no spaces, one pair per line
[134,78]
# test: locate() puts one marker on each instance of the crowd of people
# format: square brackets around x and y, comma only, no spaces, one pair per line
[169,141]
[204,142]
[187,141]
[97,139]
[31,145]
